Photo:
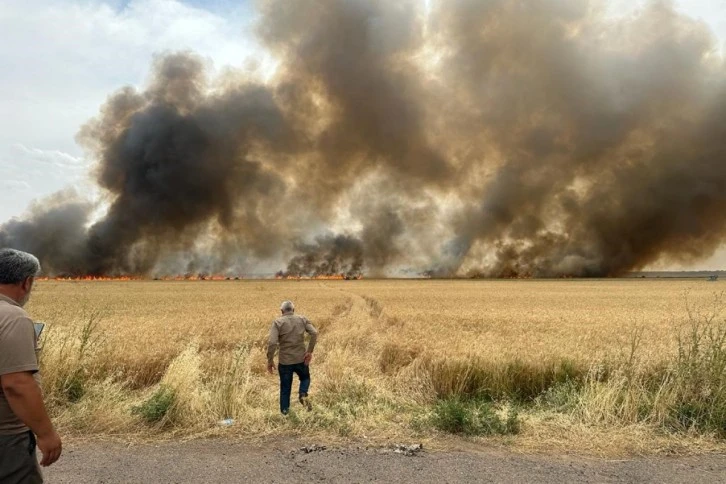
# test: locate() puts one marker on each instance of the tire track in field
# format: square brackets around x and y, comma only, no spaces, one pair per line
[365,306]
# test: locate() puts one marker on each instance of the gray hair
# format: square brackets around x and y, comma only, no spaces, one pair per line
[287,307]
[16,266]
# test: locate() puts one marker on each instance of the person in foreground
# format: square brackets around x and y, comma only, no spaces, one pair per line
[288,332]
[22,412]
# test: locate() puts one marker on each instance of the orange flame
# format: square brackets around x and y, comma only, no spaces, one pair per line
[186,277]
[90,278]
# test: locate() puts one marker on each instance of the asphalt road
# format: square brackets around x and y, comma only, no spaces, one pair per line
[224,461]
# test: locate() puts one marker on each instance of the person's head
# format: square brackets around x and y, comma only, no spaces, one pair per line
[287,307]
[17,273]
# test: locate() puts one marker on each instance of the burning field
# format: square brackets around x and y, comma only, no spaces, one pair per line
[185,277]
[200,277]
[494,138]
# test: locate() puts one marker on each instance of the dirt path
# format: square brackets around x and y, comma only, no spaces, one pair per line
[223,461]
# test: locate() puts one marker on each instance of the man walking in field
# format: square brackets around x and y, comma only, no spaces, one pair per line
[288,333]
[22,412]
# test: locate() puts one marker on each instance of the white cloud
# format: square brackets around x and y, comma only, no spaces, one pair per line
[15,185]
[55,158]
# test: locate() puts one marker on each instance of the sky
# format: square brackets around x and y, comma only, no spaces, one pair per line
[62,58]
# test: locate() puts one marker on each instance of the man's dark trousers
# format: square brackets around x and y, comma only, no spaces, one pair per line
[286,371]
[18,461]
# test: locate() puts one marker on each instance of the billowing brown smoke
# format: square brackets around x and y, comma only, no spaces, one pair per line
[339,255]
[484,137]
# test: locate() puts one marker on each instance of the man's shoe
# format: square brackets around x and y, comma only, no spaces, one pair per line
[305,401]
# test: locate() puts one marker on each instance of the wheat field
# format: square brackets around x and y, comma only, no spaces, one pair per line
[596,366]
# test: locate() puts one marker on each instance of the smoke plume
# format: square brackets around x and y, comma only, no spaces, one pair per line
[467,137]
[329,255]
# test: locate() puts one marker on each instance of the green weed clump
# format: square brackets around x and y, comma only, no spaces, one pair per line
[158,407]
[458,416]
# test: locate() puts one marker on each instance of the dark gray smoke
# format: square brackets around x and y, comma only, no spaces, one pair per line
[485,137]
[331,255]
[53,229]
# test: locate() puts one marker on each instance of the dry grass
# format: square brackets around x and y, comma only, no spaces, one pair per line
[588,365]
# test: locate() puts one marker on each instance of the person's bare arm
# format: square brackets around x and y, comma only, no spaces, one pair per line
[26,401]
